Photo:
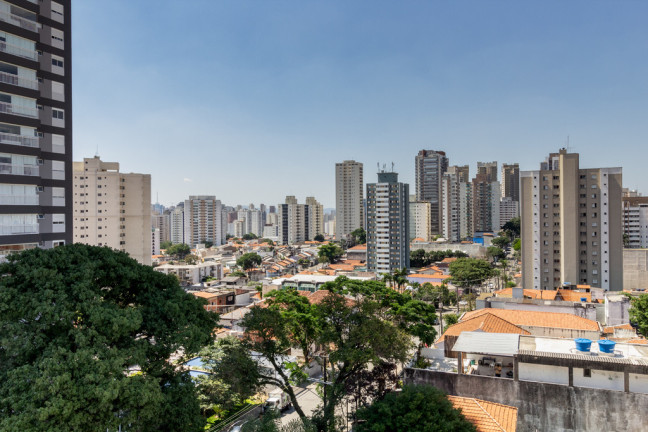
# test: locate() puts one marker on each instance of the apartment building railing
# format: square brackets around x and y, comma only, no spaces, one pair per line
[18,21]
[16,80]
[21,140]
[8,108]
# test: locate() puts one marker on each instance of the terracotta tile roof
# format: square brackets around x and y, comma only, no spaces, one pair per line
[538,319]
[487,323]
[610,330]
[430,276]
[486,416]
[574,296]
[583,286]
[529,293]
[638,341]
[449,260]
[204,295]
[362,247]
[418,240]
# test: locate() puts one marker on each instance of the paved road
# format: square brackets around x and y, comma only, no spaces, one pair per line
[308,401]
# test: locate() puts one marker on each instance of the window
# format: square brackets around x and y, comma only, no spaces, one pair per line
[57,113]
[57,61]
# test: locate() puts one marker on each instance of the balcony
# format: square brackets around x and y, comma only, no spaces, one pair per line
[26,170]
[19,200]
[18,21]
[12,79]
[18,51]
[21,140]
[19,229]
[8,108]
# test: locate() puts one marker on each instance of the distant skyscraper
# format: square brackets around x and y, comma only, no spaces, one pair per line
[430,165]
[420,213]
[294,222]
[349,211]
[571,222]
[635,219]
[511,181]
[36,193]
[204,220]
[489,169]
[315,217]
[176,228]
[486,203]
[457,204]
[112,209]
[387,224]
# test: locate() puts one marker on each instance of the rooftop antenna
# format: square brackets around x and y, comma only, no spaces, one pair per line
[378,165]
[97,151]
[157,197]
[392,167]
[569,148]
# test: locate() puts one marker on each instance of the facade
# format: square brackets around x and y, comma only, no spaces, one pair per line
[176,225]
[488,169]
[511,181]
[509,209]
[571,224]
[430,165]
[486,202]
[112,209]
[155,241]
[635,220]
[456,204]
[35,125]
[191,274]
[203,220]
[161,221]
[349,210]
[293,222]
[420,215]
[315,217]
[387,224]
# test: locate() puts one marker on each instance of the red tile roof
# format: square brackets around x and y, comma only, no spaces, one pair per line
[486,416]
[488,323]
[538,319]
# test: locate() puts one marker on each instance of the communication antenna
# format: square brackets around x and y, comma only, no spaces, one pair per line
[569,148]
[378,165]
[97,151]
[392,167]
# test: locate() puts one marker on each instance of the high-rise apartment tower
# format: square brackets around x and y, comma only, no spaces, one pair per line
[571,225]
[349,210]
[35,124]
[430,165]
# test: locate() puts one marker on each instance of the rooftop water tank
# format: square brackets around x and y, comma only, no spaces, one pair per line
[583,344]
[606,346]
[583,299]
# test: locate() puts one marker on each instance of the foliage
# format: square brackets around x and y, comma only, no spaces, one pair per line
[416,408]
[250,236]
[517,245]
[430,293]
[512,228]
[304,262]
[357,324]
[368,385]
[420,258]
[271,422]
[450,319]
[217,360]
[74,321]
[266,240]
[249,260]
[165,245]
[179,250]
[495,253]
[238,273]
[191,259]
[330,252]
[359,236]
[639,313]
[468,272]
[319,238]
[510,284]
[501,242]
[208,243]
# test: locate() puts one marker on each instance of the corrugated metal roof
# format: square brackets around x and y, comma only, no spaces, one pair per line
[593,358]
[487,343]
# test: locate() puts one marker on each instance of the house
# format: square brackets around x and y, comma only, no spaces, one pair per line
[192,274]
[486,416]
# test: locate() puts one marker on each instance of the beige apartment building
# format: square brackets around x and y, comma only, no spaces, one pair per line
[112,209]
[571,225]
[315,217]
[349,195]
[420,220]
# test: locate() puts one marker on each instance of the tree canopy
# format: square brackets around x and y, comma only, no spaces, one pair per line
[319,238]
[249,260]
[420,258]
[179,250]
[512,228]
[356,324]
[495,253]
[359,235]
[250,236]
[468,272]
[330,252]
[415,409]
[86,335]
[639,313]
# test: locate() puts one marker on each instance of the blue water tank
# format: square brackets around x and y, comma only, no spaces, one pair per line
[606,346]
[583,299]
[583,344]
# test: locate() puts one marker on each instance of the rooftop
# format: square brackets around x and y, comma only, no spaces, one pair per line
[488,323]
[486,416]
[537,319]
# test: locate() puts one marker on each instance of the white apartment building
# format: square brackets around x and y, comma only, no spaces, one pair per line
[456,204]
[155,241]
[112,209]
[176,226]
[509,209]
[420,220]
[635,220]
[315,217]
[203,220]
[349,209]
[293,222]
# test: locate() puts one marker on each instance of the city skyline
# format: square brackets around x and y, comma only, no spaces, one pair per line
[315,84]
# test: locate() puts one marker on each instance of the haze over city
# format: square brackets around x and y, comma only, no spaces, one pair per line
[272,94]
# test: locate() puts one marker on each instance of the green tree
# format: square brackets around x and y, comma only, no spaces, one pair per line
[469,272]
[179,250]
[319,238]
[512,228]
[517,245]
[249,260]
[266,240]
[418,258]
[501,241]
[415,409]
[330,253]
[639,313]
[356,325]
[495,253]
[250,236]
[238,273]
[191,259]
[208,243]
[359,235]
[450,319]
[304,262]
[165,245]
[76,322]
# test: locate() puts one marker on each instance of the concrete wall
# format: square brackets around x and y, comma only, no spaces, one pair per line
[546,407]
[546,373]
[473,250]
[635,269]
[562,333]
[601,379]
[585,311]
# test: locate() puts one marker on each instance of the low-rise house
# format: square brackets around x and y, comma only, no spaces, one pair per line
[486,416]
[192,274]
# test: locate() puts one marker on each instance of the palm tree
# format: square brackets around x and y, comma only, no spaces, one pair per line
[387,279]
[400,278]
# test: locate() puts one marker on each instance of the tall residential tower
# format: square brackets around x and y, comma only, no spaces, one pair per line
[349,209]
[35,124]
[430,165]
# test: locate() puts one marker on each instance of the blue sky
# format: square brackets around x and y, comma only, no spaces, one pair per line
[255,100]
